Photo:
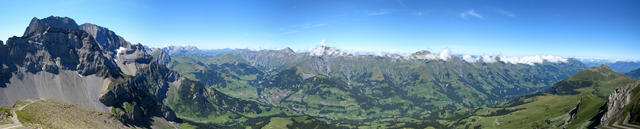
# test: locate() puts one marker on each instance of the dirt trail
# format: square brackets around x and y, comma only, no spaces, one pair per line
[625,123]
[14,116]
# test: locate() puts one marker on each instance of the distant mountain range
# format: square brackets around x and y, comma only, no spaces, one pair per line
[91,67]
[352,89]
[617,66]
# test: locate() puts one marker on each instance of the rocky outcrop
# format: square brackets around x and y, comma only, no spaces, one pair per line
[574,112]
[162,57]
[41,25]
[107,38]
[136,99]
[132,57]
[618,99]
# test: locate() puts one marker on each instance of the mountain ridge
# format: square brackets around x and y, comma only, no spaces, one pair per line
[574,102]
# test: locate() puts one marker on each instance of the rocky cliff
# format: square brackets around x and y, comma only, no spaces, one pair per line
[107,38]
[131,58]
[619,104]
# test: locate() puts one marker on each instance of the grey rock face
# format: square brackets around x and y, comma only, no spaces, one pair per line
[41,25]
[54,44]
[107,38]
[132,57]
[618,99]
[163,57]
[145,90]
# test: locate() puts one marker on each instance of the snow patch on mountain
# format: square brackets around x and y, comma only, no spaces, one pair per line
[118,51]
[323,50]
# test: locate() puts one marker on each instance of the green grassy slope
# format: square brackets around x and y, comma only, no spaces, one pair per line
[56,114]
[571,103]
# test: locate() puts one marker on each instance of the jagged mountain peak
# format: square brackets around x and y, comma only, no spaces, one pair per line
[107,38]
[55,43]
[179,49]
[421,52]
[324,50]
[285,50]
[39,25]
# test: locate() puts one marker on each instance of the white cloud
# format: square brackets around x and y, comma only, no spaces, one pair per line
[470,13]
[469,58]
[532,60]
[445,55]
[506,13]
[488,59]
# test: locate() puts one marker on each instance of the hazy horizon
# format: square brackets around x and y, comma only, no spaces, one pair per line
[586,29]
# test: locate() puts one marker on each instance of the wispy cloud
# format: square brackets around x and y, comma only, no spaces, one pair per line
[470,13]
[290,32]
[506,13]
[300,27]
[309,25]
[379,12]
[420,12]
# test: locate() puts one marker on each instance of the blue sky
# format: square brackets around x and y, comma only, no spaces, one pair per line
[578,28]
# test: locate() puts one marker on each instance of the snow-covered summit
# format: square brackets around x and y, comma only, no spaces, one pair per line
[323,50]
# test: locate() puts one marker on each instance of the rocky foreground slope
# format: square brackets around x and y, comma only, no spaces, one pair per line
[623,108]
